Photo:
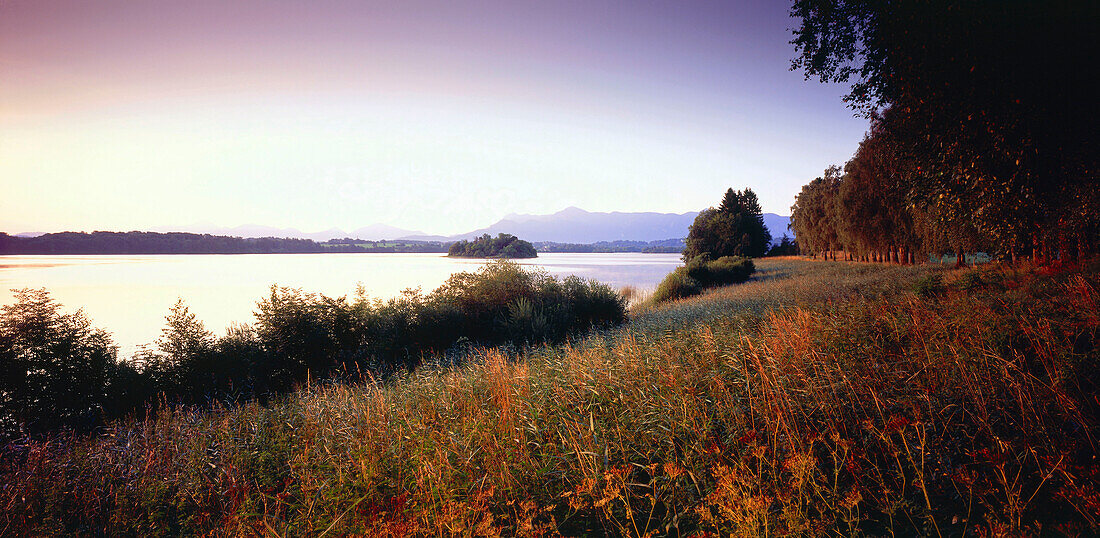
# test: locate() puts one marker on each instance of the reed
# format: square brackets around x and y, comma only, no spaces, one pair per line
[815,399]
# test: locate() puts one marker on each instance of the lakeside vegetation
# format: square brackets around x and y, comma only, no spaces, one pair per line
[814,398]
[60,372]
[702,273]
[717,248]
[818,398]
[486,246]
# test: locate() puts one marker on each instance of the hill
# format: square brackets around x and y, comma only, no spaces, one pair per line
[778,226]
[374,232]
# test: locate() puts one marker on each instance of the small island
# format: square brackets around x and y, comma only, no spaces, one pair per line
[502,246]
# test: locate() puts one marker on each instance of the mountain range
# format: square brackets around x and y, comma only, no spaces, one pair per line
[570,225]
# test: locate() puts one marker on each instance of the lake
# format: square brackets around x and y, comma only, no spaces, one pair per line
[130,295]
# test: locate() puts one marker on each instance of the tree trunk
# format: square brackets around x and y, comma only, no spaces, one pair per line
[905,259]
[960,258]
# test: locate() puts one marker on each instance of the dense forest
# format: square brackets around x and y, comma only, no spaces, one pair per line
[501,246]
[983,130]
[189,243]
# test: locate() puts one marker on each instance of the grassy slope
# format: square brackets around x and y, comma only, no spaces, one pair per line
[818,398]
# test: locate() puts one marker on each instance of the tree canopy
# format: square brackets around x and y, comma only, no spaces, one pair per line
[502,246]
[735,228]
[984,116]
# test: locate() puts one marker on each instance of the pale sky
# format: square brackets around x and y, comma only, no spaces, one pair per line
[440,116]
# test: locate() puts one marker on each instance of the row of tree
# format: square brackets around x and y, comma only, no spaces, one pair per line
[191,243]
[984,133]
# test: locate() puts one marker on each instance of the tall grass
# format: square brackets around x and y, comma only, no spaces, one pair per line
[781,406]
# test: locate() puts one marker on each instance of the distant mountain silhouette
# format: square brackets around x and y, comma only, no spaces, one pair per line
[777,226]
[374,232]
[575,225]
[570,225]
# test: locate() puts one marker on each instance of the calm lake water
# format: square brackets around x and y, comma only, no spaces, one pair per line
[130,295]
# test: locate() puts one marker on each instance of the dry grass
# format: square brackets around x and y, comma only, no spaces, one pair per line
[817,399]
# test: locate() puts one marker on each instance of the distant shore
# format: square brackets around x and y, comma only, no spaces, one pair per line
[140,243]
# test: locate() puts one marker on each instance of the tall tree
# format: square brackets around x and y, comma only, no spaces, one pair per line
[736,228]
[993,101]
[56,368]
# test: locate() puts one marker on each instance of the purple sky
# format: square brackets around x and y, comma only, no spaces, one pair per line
[440,116]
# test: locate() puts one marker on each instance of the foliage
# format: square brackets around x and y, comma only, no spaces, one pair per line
[700,274]
[735,228]
[55,369]
[502,246]
[59,372]
[989,104]
[868,412]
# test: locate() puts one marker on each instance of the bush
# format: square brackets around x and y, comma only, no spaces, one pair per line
[700,274]
[59,372]
[56,370]
[929,286]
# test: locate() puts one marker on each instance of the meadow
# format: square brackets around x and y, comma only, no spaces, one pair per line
[817,398]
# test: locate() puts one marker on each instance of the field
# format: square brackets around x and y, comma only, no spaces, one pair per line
[818,398]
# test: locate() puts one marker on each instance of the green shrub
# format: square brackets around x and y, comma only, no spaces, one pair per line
[677,285]
[700,274]
[929,286]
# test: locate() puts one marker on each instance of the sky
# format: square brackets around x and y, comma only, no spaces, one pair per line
[439,116]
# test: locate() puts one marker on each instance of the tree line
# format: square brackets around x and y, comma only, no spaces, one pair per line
[658,246]
[58,371]
[191,243]
[983,129]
